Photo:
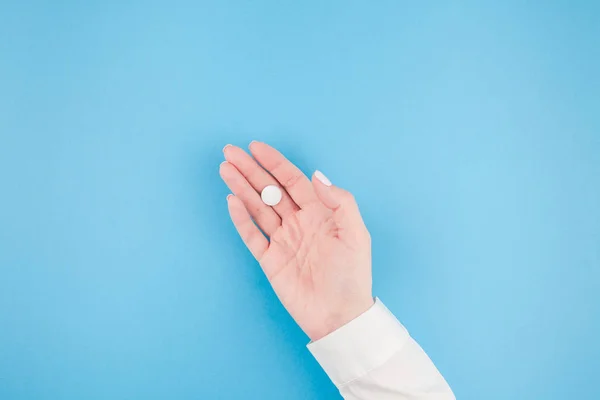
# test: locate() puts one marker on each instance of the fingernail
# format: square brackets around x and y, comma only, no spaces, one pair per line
[253,142]
[319,175]
[226,146]
[229,196]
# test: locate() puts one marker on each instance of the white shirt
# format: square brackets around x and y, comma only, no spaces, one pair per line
[374,357]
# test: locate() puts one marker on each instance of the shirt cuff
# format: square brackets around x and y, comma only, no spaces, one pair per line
[361,345]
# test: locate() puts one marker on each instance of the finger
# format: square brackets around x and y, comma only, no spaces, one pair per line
[256,242]
[264,215]
[288,175]
[258,178]
[345,209]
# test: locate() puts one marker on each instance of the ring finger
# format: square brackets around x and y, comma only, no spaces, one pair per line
[264,216]
[259,178]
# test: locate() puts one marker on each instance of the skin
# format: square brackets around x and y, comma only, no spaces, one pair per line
[317,250]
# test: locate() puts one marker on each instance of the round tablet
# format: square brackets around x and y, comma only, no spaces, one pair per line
[271,195]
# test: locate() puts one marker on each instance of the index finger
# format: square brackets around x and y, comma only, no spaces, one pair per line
[289,176]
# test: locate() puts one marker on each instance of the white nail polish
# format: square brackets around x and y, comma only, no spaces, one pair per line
[322,178]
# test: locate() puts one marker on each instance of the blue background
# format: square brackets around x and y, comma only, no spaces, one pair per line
[469,133]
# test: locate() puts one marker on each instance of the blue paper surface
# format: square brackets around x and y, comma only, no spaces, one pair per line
[469,132]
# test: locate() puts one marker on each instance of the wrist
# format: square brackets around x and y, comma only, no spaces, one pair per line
[341,317]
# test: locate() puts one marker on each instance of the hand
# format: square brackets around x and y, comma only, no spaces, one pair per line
[318,258]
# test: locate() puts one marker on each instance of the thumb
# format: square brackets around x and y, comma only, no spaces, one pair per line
[340,201]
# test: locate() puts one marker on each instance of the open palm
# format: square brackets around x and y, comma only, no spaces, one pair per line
[317,256]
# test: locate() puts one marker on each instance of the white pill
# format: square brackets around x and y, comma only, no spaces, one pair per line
[271,195]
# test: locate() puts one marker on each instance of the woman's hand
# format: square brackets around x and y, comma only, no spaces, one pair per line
[318,258]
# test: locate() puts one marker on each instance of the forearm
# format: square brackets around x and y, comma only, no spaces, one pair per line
[374,357]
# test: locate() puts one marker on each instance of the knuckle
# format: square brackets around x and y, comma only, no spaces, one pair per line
[257,211]
[292,180]
[276,167]
[348,197]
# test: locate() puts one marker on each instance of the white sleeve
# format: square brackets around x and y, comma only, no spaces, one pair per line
[374,357]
